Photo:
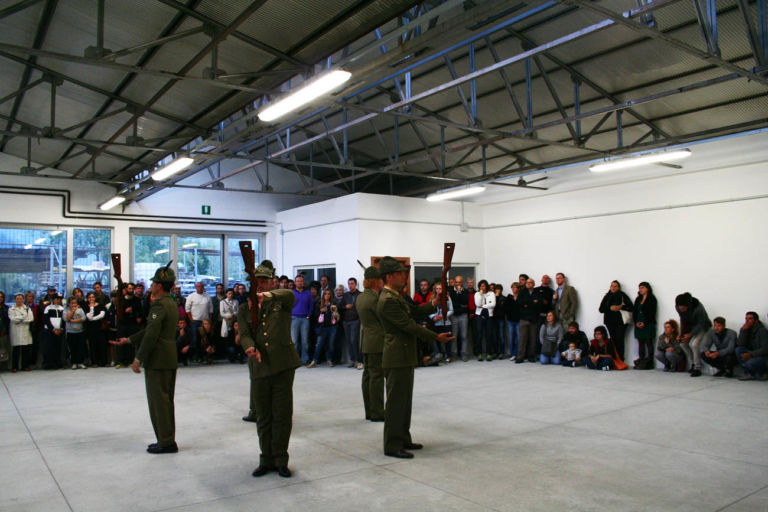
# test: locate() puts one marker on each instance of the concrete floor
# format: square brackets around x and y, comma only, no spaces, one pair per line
[498,436]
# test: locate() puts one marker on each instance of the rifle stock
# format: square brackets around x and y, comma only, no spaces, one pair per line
[249,261]
[117,268]
[448,249]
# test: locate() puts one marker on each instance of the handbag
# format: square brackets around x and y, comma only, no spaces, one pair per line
[626,317]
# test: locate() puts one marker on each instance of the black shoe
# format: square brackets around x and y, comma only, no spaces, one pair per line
[261,470]
[172,448]
[249,418]
[695,372]
[531,359]
[400,454]
[283,471]
[729,374]
[720,373]
[519,361]
[414,446]
[376,420]
[152,445]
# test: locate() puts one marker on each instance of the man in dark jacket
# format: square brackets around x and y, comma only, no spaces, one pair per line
[530,305]
[694,324]
[719,348]
[752,347]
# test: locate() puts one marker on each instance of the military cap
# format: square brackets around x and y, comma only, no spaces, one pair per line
[165,274]
[265,269]
[372,273]
[388,265]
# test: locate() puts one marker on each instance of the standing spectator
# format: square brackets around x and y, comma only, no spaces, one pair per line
[127,326]
[327,321]
[441,322]
[20,317]
[423,295]
[351,322]
[101,297]
[578,338]
[75,320]
[198,307]
[325,284]
[720,348]
[614,302]
[97,342]
[143,303]
[176,294]
[546,298]
[113,323]
[78,294]
[602,351]
[54,333]
[47,299]
[227,313]
[512,314]
[694,324]
[35,327]
[522,279]
[300,318]
[550,337]
[5,344]
[529,316]
[240,295]
[215,302]
[752,347]
[668,351]
[499,324]
[338,354]
[485,302]
[566,300]
[644,315]
[460,299]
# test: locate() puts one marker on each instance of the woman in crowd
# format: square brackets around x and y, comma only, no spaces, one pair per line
[20,317]
[339,343]
[612,305]
[228,313]
[498,323]
[485,302]
[441,323]
[53,337]
[35,327]
[80,296]
[644,315]
[5,343]
[668,351]
[512,314]
[602,352]
[75,320]
[327,321]
[95,322]
[206,335]
[550,337]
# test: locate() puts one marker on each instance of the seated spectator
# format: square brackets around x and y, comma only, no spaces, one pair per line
[752,347]
[183,341]
[602,352]
[550,337]
[206,336]
[574,335]
[720,348]
[694,324]
[668,351]
[572,355]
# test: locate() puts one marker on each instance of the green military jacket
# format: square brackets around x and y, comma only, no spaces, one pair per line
[157,341]
[401,332]
[272,336]
[373,333]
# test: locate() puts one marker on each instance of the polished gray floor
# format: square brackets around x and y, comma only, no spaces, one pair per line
[498,436]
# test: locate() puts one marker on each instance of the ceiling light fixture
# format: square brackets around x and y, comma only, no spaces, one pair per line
[28,246]
[172,168]
[456,192]
[187,246]
[637,161]
[108,205]
[39,241]
[57,232]
[305,94]
[161,251]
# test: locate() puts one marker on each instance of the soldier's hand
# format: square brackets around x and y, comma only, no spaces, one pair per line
[119,341]
[136,366]
[445,337]
[252,352]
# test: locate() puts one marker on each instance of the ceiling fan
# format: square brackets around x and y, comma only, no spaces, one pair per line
[522,183]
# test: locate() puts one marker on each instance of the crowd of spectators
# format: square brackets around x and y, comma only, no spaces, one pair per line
[529,324]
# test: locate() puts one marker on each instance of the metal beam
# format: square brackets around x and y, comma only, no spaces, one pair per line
[156,42]
[19,6]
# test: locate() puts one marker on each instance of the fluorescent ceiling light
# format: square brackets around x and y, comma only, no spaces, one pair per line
[305,94]
[187,246]
[28,246]
[161,251]
[108,205]
[172,168]
[454,193]
[637,161]
[57,232]
[39,241]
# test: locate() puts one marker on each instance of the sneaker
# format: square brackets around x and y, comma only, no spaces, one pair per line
[489,357]
[606,368]
[329,363]
[111,364]
[118,366]
[82,366]
[448,360]
[351,365]
[720,373]
[480,357]
[464,358]
[359,366]
[746,376]
[74,367]
[695,372]
[312,364]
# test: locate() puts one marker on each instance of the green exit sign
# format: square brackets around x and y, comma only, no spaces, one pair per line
[206,209]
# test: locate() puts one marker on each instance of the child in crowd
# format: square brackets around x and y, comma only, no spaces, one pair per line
[75,318]
[54,334]
[572,356]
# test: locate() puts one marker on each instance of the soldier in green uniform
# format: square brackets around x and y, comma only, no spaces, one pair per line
[373,345]
[156,351]
[400,356]
[272,363]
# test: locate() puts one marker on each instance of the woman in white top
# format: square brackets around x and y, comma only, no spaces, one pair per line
[485,302]
[20,316]
[228,312]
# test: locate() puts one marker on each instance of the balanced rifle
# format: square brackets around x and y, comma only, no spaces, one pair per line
[448,249]
[249,261]
[117,269]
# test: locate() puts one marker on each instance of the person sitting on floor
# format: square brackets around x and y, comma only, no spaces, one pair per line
[602,352]
[720,345]
[572,356]
[668,351]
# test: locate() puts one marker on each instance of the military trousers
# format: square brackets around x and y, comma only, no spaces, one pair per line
[273,405]
[161,385]
[373,387]
[397,413]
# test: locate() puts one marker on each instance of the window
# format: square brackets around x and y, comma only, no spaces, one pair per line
[198,259]
[315,273]
[432,273]
[91,261]
[33,259]
[150,252]
[236,267]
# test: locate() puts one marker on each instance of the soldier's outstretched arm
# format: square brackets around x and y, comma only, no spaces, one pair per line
[399,318]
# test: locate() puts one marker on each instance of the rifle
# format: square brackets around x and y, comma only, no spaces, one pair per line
[448,248]
[117,269]
[249,261]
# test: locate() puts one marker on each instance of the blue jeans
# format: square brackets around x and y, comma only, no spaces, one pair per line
[300,336]
[352,333]
[325,335]
[513,336]
[499,333]
[555,359]
[754,366]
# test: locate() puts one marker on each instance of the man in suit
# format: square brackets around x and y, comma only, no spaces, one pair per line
[400,355]
[156,351]
[566,301]
[373,345]
[272,362]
